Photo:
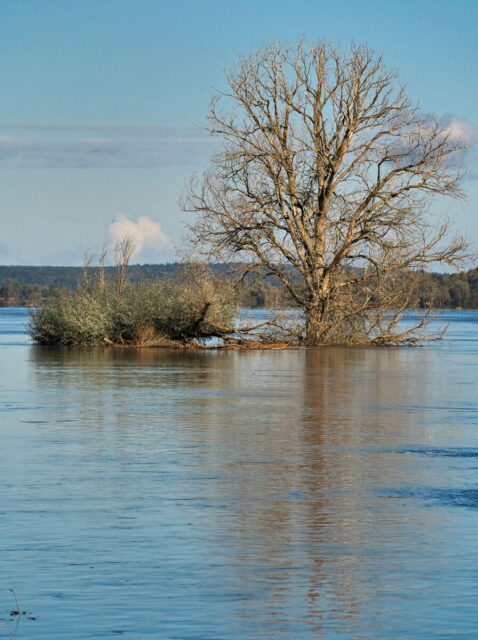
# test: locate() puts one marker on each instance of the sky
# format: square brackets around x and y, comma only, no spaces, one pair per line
[102,103]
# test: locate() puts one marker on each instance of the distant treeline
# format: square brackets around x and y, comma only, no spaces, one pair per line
[31,286]
[69,276]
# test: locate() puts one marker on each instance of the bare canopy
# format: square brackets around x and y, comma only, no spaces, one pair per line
[324,180]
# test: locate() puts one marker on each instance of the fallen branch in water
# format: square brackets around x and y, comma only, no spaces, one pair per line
[17,611]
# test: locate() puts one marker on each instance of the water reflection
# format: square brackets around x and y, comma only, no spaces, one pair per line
[246,494]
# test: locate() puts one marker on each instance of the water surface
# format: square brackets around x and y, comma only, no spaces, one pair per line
[327,493]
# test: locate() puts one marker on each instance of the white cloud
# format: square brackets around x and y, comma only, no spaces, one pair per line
[146,234]
[465,134]
[456,132]
[459,131]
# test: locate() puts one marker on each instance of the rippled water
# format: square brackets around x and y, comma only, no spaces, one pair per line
[328,493]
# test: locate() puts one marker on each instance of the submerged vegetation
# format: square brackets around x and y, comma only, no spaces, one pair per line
[194,303]
[150,313]
[193,306]
[162,314]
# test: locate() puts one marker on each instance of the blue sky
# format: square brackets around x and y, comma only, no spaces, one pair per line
[101,100]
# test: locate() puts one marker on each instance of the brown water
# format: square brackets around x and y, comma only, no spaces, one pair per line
[328,493]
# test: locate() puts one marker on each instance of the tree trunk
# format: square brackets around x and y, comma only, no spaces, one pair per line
[313,327]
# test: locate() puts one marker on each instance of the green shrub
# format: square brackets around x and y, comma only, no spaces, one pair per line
[194,306]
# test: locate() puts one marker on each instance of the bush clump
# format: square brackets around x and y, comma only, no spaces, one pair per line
[193,307]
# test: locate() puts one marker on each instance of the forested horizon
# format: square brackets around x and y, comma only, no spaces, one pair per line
[32,285]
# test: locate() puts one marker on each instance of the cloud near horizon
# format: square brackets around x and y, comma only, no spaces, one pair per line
[146,233]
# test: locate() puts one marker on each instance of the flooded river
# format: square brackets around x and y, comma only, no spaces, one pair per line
[289,495]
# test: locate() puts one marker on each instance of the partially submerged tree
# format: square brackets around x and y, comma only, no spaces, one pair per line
[324,180]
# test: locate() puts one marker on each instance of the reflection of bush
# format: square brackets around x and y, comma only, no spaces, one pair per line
[147,313]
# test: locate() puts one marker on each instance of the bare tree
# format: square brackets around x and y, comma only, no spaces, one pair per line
[324,180]
[123,253]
